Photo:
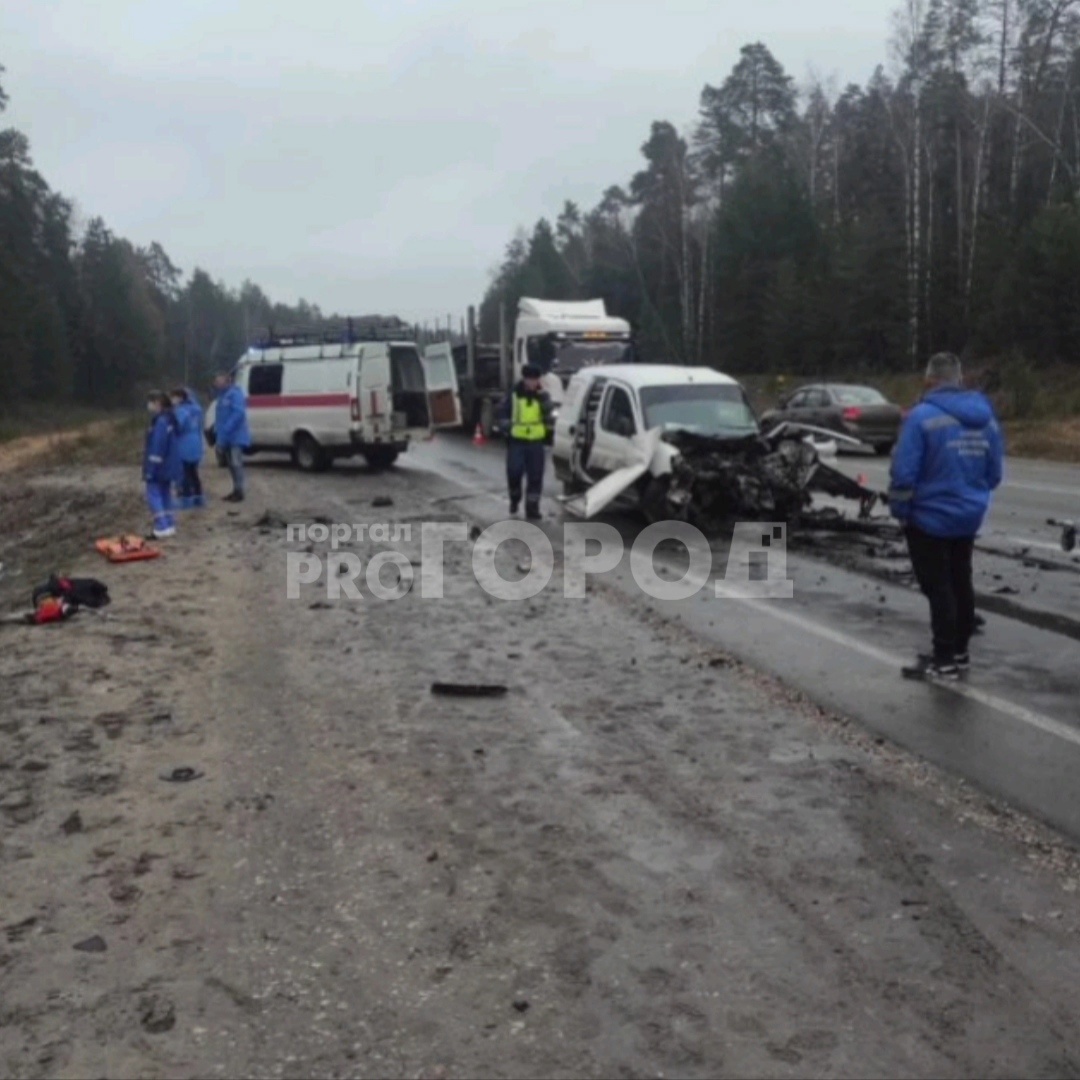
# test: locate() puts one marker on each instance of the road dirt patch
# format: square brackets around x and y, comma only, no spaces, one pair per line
[642,859]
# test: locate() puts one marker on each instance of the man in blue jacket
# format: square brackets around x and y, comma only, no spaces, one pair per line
[231,431]
[947,462]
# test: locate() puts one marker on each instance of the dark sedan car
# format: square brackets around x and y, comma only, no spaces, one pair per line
[859,411]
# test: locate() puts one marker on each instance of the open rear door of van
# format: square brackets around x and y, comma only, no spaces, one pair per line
[374,393]
[442,386]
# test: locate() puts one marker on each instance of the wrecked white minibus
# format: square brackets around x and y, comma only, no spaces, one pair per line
[683,442]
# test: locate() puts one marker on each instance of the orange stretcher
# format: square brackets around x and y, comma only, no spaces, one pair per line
[126,549]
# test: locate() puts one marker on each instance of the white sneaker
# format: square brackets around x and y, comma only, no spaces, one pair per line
[164,534]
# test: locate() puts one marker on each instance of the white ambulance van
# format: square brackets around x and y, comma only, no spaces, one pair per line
[319,397]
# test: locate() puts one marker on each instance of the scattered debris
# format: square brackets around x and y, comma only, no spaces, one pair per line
[157,1015]
[144,863]
[521,1005]
[17,931]
[181,775]
[433,857]
[95,944]
[72,824]
[1006,590]
[270,520]
[1068,533]
[124,893]
[382,500]
[320,605]
[468,689]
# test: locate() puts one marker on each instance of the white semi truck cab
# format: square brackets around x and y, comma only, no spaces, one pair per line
[563,336]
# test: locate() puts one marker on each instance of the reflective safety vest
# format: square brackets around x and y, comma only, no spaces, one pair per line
[528,420]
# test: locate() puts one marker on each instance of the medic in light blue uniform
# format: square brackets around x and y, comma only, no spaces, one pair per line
[189,426]
[161,464]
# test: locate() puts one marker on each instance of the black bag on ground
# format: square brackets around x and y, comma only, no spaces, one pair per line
[82,592]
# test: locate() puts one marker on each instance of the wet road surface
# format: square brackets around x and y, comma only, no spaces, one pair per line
[1013,727]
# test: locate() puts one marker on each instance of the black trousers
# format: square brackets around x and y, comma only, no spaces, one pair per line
[525,460]
[190,484]
[943,570]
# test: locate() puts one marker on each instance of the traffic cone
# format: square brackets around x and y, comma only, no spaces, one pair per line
[479,439]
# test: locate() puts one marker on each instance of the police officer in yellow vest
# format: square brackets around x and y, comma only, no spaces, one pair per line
[526,416]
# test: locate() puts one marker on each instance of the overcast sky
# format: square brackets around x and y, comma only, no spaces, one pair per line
[376,155]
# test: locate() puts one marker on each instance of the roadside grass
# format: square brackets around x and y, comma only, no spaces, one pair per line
[1053,440]
[113,441]
[54,503]
[29,420]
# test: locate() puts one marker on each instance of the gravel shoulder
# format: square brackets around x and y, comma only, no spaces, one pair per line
[643,860]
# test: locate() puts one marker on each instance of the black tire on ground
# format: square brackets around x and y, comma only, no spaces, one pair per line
[883,449]
[308,455]
[380,457]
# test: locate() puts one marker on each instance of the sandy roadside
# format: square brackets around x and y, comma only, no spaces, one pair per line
[642,860]
[23,452]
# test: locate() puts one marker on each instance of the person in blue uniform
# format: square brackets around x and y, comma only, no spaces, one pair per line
[231,431]
[189,425]
[947,462]
[161,463]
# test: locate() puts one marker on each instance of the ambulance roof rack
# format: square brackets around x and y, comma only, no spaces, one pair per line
[337,332]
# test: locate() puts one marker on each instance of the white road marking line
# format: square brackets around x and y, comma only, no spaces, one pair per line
[1046,724]
[1023,541]
[1046,489]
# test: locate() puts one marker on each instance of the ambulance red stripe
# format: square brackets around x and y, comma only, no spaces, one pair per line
[298,401]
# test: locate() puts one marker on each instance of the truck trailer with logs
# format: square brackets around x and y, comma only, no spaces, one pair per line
[560,337]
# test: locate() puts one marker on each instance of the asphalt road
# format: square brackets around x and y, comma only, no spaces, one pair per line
[1013,727]
[1032,492]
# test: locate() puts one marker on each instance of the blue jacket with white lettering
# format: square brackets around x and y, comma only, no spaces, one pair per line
[161,450]
[947,461]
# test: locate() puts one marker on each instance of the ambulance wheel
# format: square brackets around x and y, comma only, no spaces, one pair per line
[380,457]
[308,455]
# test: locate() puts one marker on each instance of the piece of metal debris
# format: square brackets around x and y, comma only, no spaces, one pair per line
[95,944]
[468,689]
[157,1015]
[182,774]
